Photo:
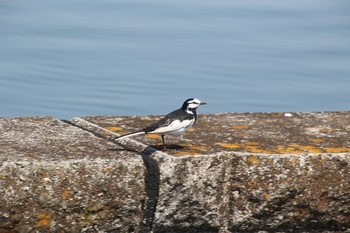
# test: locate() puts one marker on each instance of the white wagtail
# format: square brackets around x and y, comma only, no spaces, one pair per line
[174,123]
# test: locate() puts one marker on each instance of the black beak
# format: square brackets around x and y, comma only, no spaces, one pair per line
[202,103]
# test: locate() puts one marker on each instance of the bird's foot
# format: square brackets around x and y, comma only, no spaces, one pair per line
[186,141]
[182,139]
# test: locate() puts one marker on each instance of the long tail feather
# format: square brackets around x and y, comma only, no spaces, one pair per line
[130,135]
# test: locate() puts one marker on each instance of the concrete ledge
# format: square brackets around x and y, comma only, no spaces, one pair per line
[55,177]
[240,172]
[244,192]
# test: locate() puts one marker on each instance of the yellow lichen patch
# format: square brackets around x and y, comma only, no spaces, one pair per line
[199,148]
[290,149]
[66,194]
[194,150]
[316,140]
[252,160]
[44,219]
[280,149]
[266,196]
[114,128]
[337,149]
[229,145]
[293,145]
[240,126]
[255,149]
[152,135]
[310,149]
[294,148]
[182,153]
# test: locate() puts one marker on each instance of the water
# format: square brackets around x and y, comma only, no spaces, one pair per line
[77,58]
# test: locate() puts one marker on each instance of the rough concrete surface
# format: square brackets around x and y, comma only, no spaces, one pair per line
[243,192]
[266,133]
[55,177]
[241,172]
[250,172]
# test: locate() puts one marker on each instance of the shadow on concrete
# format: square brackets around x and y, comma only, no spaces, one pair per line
[152,182]
[168,147]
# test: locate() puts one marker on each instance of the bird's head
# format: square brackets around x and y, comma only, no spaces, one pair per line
[192,103]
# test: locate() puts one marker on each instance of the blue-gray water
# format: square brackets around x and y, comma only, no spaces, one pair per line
[76,58]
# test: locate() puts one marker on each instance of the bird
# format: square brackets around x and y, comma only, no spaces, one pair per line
[174,123]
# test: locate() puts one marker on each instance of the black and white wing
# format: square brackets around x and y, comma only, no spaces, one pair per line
[174,121]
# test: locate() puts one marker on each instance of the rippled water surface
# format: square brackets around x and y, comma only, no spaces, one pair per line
[76,58]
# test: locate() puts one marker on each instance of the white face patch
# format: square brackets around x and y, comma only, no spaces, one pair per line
[194,103]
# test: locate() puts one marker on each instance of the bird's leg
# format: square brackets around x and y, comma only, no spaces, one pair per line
[164,147]
[182,138]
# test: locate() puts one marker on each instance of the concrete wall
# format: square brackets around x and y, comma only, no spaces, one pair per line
[241,172]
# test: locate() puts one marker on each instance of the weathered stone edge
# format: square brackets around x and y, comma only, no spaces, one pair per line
[167,170]
[126,143]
